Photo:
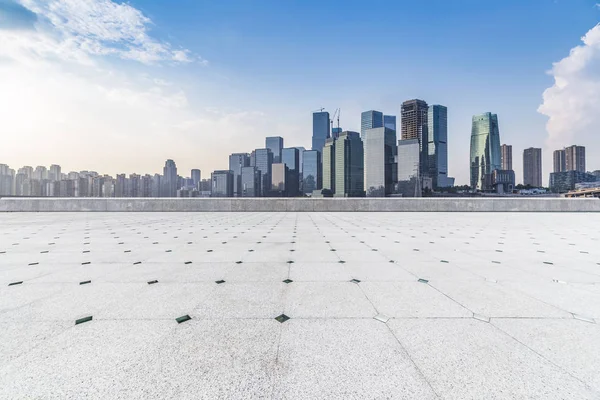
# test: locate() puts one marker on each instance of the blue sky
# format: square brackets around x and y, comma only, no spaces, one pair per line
[255,69]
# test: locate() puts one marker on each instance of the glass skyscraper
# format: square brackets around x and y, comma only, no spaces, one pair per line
[275,144]
[408,159]
[251,182]
[291,158]
[222,183]
[437,145]
[485,148]
[380,151]
[321,130]
[311,171]
[349,165]
[389,121]
[329,164]
[263,161]
[237,161]
[369,120]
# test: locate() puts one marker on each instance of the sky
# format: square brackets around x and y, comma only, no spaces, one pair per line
[119,87]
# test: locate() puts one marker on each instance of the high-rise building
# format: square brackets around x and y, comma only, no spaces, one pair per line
[279,173]
[506,157]
[275,144]
[311,171]
[291,158]
[437,142]
[196,177]
[369,120]
[379,155]
[263,159]
[349,165]
[532,167]
[561,182]
[237,161]
[559,161]
[40,173]
[485,148]
[408,159]
[321,130]
[329,165]
[575,158]
[120,186]
[414,123]
[222,183]
[335,132]
[54,174]
[389,121]
[251,182]
[169,180]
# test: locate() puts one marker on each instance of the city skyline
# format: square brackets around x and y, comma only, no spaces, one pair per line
[87,107]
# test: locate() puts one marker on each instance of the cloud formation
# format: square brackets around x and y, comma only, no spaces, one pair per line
[76,30]
[572,104]
[15,16]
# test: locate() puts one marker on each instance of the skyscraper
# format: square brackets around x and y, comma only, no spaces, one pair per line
[414,124]
[311,171]
[237,161]
[408,159]
[559,161]
[575,158]
[369,120]
[275,144]
[291,158]
[485,148]
[169,180]
[222,183]
[263,159]
[279,173]
[506,157]
[349,165]
[532,167]
[380,151]
[329,165]
[437,145]
[389,121]
[251,182]
[54,174]
[196,177]
[321,130]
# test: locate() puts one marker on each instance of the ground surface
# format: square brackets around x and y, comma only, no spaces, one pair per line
[450,306]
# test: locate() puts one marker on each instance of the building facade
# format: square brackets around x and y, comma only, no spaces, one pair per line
[222,183]
[329,165]
[311,171]
[389,121]
[251,182]
[291,158]
[349,165]
[237,161]
[562,182]
[575,158]
[321,130]
[263,159]
[558,161]
[279,174]
[379,161]
[532,167]
[369,120]
[169,180]
[437,150]
[275,144]
[485,148]
[506,157]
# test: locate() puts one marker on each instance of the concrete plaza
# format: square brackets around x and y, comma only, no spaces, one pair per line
[380,305]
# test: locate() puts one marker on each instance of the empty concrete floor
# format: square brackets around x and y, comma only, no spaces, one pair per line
[381,305]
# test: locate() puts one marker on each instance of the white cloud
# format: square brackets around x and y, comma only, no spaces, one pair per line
[572,104]
[78,30]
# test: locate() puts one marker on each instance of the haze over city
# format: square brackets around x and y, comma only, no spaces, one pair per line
[120,87]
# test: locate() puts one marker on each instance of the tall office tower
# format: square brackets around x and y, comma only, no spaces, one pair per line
[575,158]
[485,148]
[389,121]
[40,173]
[408,160]
[27,170]
[222,183]
[369,120]
[279,173]
[263,159]
[532,167]
[437,142]
[291,158]
[311,171]
[54,174]
[349,165]
[250,182]
[559,161]
[146,186]
[506,157]
[320,130]
[196,177]
[414,125]
[380,152]
[237,161]
[6,180]
[335,132]
[108,188]
[134,186]
[169,180]
[301,151]
[329,165]
[275,144]
[156,185]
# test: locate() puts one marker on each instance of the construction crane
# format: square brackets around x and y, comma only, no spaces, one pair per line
[336,112]
[319,110]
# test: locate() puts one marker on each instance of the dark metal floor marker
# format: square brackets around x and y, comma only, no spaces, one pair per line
[82,320]
[84,282]
[423,280]
[183,319]
[86,263]
[15,283]
[152,282]
[219,282]
[288,281]
[188,262]
[282,318]
[355,281]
